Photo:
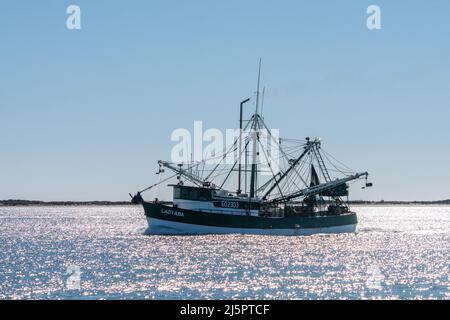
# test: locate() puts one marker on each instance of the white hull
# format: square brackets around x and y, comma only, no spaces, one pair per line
[166,227]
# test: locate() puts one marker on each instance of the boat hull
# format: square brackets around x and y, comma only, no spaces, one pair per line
[164,219]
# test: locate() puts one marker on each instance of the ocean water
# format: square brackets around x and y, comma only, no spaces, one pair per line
[101,252]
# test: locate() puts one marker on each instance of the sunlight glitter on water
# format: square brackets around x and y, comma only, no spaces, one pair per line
[397,253]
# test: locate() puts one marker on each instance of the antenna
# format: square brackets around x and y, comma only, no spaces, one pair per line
[256,128]
[257,87]
[262,101]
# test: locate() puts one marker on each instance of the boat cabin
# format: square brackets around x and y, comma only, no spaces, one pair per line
[208,199]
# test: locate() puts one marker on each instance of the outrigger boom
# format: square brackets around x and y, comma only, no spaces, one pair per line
[315,190]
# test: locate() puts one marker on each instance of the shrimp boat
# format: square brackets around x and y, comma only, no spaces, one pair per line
[273,186]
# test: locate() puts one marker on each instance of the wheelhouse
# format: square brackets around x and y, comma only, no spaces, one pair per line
[181,192]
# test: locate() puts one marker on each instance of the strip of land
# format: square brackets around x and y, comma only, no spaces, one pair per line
[383,202]
[19,202]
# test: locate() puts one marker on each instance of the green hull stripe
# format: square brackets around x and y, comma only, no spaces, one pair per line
[235,221]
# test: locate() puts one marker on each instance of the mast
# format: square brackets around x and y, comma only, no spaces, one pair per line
[255,137]
[308,147]
[262,102]
[253,173]
[239,190]
[257,87]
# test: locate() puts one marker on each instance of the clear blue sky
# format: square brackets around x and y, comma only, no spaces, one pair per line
[86,114]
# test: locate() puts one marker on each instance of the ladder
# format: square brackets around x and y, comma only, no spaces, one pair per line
[322,166]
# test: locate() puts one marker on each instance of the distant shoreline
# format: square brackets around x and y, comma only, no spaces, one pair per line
[14,203]
[18,202]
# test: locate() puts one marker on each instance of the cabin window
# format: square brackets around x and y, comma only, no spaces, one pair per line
[185,194]
[204,195]
[192,194]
